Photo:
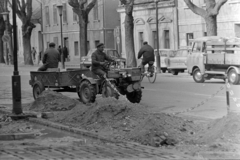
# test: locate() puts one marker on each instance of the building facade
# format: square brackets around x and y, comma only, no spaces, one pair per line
[177,23]
[103,19]
[194,26]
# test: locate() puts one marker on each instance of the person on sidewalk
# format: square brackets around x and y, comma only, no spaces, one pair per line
[65,53]
[51,58]
[147,52]
[34,54]
[99,59]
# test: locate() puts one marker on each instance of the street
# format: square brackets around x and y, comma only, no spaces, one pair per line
[169,94]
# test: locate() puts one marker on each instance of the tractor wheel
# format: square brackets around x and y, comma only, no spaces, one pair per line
[233,77]
[87,92]
[197,76]
[108,91]
[38,88]
[135,96]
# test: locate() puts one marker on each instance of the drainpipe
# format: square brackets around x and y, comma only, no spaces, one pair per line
[177,23]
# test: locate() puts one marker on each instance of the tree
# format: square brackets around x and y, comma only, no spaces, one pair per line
[129,37]
[82,9]
[209,15]
[2,28]
[24,12]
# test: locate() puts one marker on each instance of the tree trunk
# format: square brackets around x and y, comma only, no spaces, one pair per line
[211,25]
[27,46]
[1,50]
[83,36]
[2,28]
[129,41]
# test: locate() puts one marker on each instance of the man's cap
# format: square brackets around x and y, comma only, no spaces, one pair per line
[99,45]
[51,44]
[145,42]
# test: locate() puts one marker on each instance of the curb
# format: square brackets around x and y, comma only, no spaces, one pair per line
[17,136]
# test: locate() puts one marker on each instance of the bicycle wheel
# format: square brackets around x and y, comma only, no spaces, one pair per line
[152,77]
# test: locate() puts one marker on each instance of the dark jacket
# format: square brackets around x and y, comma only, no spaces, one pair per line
[98,57]
[51,58]
[147,52]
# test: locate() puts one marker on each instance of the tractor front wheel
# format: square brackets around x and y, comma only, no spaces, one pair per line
[135,96]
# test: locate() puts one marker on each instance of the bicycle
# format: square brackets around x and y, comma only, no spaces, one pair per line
[150,73]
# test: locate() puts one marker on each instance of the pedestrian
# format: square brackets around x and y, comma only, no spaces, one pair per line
[39,57]
[99,59]
[147,52]
[65,53]
[50,58]
[34,54]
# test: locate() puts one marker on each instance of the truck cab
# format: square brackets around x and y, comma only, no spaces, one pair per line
[214,57]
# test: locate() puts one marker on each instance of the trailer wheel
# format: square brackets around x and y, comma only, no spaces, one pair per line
[197,76]
[233,77]
[86,92]
[108,91]
[135,96]
[38,88]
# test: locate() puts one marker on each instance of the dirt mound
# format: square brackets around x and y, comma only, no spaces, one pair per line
[52,101]
[122,120]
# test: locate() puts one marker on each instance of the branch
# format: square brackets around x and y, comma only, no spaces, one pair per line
[90,6]
[217,7]
[197,10]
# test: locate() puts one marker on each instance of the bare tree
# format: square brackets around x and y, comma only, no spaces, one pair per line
[209,15]
[2,28]
[24,12]
[82,9]
[129,38]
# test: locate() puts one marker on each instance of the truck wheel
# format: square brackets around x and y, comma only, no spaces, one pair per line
[197,76]
[38,88]
[135,96]
[87,92]
[164,70]
[174,72]
[233,77]
[108,91]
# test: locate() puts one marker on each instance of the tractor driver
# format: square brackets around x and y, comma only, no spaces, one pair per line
[99,59]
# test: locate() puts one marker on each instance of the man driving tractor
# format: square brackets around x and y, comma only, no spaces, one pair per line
[99,59]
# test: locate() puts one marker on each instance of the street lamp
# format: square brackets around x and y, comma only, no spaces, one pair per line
[157,55]
[16,81]
[60,11]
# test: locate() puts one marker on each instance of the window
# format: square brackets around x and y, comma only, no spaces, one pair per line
[189,36]
[141,39]
[55,21]
[166,39]
[97,42]
[95,11]
[154,35]
[55,40]
[64,13]
[47,15]
[75,17]
[76,51]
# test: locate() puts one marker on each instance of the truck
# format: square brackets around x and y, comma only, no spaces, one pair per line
[214,57]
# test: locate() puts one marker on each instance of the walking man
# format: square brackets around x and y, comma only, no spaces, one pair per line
[34,54]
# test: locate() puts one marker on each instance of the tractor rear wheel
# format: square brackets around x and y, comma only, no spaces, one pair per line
[87,92]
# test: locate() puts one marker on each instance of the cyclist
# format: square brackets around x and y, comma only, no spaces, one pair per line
[147,52]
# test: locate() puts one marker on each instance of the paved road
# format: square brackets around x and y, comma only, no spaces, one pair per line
[168,94]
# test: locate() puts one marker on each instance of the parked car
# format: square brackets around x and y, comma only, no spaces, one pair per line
[86,61]
[163,55]
[177,61]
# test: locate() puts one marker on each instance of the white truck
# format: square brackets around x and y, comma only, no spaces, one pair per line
[214,57]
